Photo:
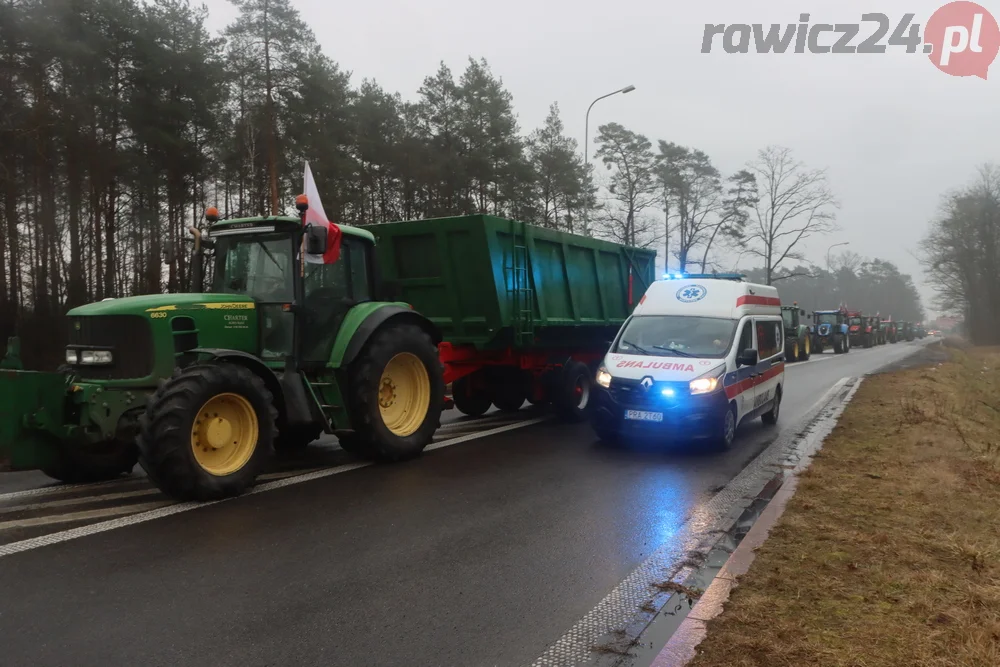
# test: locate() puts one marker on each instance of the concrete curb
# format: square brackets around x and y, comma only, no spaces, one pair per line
[682,645]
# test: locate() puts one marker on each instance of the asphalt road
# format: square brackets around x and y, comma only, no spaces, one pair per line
[481,553]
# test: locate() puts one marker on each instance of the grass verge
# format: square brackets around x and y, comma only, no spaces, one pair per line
[889,551]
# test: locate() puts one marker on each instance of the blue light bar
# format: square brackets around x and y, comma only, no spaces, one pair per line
[716,276]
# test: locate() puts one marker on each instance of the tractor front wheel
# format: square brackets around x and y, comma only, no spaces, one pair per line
[396,393]
[208,432]
[99,462]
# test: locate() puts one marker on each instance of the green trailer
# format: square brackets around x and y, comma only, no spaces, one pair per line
[201,388]
[524,312]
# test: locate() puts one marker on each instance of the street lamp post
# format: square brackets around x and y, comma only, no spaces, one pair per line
[586,141]
[831,248]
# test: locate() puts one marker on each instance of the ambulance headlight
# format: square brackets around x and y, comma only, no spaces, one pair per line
[603,377]
[705,385]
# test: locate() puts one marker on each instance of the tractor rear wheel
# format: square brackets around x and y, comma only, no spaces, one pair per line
[838,345]
[99,462]
[793,354]
[396,394]
[804,348]
[208,432]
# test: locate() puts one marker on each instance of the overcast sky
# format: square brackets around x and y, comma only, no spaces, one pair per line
[894,132]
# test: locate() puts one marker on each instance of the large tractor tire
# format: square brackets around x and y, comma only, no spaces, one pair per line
[838,345]
[354,444]
[573,388]
[84,464]
[804,349]
[471,397]
[396,393]
[208,432]
[847,344]
[793,352]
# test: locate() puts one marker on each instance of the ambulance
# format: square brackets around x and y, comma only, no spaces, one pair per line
[699,355]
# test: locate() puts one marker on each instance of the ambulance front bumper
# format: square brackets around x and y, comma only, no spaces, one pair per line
[666,409]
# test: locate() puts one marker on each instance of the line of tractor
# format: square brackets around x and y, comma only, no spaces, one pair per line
[310,329]
[841,330]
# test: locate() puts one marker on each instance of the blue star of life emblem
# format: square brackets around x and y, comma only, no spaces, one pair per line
[691,293]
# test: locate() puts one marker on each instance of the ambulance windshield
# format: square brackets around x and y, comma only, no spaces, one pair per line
[676,336]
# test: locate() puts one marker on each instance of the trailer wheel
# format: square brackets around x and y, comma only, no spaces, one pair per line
[75,464]
[208,432]
[396,391]
[510,389]
[470,400]
[573,392]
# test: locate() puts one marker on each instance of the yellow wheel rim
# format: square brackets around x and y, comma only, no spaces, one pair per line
[224,434]
[807,344]
[795,350]
[404,394]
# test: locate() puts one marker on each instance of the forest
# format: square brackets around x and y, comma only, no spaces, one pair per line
[122,120]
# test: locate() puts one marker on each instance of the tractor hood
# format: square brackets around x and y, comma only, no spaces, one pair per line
[150,303]
[824,329]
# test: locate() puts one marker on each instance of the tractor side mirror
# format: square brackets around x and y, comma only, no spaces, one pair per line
[747,358]
[315,240]
[802,311]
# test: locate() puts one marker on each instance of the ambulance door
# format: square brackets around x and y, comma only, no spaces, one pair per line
[745,375]
[769,348]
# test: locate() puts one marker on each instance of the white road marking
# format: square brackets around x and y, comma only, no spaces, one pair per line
[65,488]
[80,516]
[79,500]
[169,510]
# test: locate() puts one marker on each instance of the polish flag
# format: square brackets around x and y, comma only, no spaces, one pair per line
[316,216]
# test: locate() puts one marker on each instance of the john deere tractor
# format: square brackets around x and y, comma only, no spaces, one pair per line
[830,330]
[279,351]
[798,345]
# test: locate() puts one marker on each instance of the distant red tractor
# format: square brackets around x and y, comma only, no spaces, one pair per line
[859,329]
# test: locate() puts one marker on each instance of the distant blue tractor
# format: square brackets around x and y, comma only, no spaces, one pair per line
[830,330]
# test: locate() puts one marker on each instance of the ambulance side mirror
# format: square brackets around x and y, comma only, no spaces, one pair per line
[747,358]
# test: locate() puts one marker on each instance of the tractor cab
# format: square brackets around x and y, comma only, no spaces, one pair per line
[300,303]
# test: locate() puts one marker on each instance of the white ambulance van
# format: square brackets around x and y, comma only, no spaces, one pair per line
[699,355]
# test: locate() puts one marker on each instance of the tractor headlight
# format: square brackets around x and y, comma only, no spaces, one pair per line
[71,357]
[95,357]
[603,377]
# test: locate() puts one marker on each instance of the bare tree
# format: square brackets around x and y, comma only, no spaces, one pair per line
[793,203]
[632,190]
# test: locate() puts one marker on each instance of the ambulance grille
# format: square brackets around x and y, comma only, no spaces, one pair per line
[631,394]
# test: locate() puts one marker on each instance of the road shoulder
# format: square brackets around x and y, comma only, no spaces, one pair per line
[887,554]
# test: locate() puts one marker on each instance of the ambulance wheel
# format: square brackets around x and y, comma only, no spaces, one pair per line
[771,416]
[726,431]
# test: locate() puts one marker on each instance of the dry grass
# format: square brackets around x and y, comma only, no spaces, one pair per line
[889,552]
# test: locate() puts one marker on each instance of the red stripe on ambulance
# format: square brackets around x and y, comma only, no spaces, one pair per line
[757,301]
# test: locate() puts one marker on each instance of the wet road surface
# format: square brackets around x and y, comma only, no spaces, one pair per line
[481,553]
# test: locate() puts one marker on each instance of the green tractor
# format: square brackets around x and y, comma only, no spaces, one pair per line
[798,335]
[199,388]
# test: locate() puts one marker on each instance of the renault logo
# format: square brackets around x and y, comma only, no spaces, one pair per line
[646,382]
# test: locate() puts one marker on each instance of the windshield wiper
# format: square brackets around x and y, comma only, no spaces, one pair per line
[679,353]
[631,344]
[270,256]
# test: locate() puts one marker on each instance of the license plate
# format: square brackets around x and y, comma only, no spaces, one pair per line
[643,416]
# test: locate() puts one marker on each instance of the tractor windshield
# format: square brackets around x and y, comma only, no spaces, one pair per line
[854,320]
[826,318]
[789,317]
[261,267]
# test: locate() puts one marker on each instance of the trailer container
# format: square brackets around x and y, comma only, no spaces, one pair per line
[524,312]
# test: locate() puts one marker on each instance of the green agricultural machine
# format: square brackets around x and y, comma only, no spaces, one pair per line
[798,335]
[200,388]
